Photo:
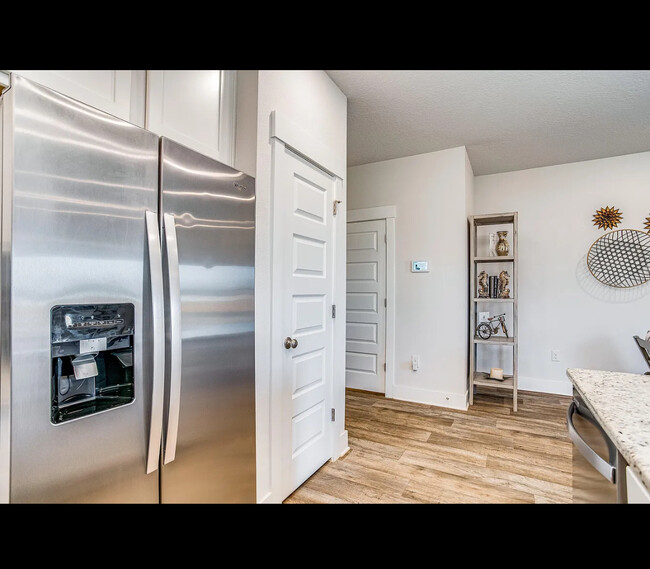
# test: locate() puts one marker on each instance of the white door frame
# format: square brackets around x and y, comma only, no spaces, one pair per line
[283,132]
[389,214]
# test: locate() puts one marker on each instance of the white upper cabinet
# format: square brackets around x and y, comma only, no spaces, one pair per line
[194,108]
[120,93]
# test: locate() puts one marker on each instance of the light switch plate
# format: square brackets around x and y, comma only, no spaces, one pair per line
[483,316]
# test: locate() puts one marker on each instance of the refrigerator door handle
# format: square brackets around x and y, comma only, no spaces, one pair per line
[174,329]
[158,319]
[607,469]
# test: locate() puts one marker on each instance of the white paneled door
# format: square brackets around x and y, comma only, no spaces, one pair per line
[304,198]
[365,346]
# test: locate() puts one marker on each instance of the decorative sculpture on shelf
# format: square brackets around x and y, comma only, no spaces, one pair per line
[485,330]
[504,281]
[483,287]
[607,218]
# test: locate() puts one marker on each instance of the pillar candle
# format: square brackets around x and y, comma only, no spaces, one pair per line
[496,373]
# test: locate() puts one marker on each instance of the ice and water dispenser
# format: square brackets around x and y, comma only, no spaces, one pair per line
[92,359]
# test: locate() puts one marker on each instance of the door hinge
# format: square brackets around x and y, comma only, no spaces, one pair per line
[333,414]
[336,203]
[333,310]
[385,302]
[384,367]
[385,238]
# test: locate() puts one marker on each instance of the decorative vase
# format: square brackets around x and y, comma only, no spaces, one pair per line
[503,248]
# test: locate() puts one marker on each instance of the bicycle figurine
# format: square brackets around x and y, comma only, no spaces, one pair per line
[486,329]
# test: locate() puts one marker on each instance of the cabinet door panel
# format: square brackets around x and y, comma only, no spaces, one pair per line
[107,90]
[637,493]
[194,108]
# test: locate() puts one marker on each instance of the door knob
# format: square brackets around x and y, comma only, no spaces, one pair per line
[290,343]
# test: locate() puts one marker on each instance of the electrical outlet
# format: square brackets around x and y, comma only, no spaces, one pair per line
[555,355]
[415,363]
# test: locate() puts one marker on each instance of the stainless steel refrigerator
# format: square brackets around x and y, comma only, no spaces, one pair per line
[127,312]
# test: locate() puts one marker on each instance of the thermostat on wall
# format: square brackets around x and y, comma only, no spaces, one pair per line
[420,266]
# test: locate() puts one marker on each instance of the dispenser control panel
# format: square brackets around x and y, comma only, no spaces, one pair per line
[92,359]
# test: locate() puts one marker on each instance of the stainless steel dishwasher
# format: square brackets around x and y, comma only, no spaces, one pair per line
[598,466]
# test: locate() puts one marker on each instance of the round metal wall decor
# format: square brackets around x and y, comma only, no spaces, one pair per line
[621,258]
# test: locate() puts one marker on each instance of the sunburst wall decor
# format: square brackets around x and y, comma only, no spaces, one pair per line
[647,224]
[607,218]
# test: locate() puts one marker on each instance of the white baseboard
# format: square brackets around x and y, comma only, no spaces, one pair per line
[268,499]
[430,397]
[558,387]
[343,446]
[461,400]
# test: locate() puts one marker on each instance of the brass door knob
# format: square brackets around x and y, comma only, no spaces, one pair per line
[290,343]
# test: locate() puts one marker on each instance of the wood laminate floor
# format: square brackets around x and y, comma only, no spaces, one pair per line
[402,452]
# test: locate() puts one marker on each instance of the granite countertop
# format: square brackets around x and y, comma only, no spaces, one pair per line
[621,404]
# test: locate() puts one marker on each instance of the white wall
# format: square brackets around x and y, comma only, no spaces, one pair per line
[469,193]
[430,192]
[246,122]
[561,305]
[312,101]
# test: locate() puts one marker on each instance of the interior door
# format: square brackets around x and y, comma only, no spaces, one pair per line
[304,216]
[365,347]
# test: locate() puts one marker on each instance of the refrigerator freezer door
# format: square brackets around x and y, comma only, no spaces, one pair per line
[213,207]
[81,183]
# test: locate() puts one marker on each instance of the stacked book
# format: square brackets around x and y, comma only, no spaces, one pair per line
[493,284]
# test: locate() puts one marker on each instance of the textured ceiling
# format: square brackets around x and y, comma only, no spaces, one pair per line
[507,120]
